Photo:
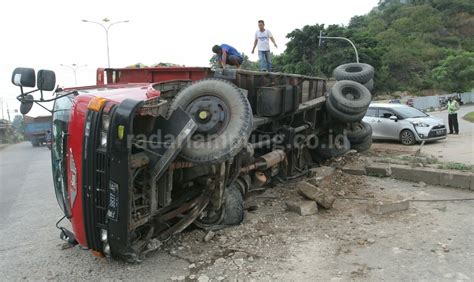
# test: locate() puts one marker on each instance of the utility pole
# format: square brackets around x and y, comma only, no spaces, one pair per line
[106,29]
[74,68]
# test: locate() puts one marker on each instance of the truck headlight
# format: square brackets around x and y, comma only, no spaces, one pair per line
[105,122]
[103,139]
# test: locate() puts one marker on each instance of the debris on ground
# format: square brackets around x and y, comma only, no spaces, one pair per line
[386,206]
[302,207]
[324,198]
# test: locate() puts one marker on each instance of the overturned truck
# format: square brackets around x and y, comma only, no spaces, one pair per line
[145,153]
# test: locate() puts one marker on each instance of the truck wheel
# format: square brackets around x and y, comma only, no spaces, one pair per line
[232,212]
[407,137]
[350,97]
[341,116]
[369,85]
[359,132]
[341,146]
[362,147]
[358,72]
[224,118]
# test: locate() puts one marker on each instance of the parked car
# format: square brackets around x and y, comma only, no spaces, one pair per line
[401,122]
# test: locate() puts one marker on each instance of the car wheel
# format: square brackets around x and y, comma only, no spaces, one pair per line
[224,118]
[358,72]
[407,137]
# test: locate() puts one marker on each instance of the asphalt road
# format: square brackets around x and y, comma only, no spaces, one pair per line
[30,247]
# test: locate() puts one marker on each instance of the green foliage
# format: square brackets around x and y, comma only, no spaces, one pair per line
[469,117]
[18,124]
[413,45]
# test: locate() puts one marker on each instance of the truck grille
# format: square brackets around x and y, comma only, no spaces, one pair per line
[95,165]
[100,189]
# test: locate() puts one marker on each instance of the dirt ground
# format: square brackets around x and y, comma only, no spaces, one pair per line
[430,241]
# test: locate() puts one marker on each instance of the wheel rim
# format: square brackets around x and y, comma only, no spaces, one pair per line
[211,115]
[407,138]
[350,93]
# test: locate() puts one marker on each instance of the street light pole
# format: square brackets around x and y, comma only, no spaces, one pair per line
[74,68]
[106,29]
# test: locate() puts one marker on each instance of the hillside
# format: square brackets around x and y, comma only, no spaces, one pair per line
[414,45]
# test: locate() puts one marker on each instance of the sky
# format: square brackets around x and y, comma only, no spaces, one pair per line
[45,34]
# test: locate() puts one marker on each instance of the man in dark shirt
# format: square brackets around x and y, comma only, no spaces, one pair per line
[228,55]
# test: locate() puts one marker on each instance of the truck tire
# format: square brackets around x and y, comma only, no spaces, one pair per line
[224,118]
[362,147]
[341,116]
[369,85]
[359,132]
[232,212]
[341,146]
[350,97]
[358,72]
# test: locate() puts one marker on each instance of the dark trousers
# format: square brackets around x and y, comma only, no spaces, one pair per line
[453,123]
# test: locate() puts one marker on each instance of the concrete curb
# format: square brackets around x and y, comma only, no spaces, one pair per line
[3,146]
[443,177]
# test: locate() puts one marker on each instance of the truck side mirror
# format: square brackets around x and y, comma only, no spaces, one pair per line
[46,80]
[24,77]
[26,104]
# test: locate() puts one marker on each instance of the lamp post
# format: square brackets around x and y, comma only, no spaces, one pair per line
[106,28]
[74,68]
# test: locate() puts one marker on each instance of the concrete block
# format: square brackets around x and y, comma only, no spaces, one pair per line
[387,206]
[322,172]
[320,196]
[413,174]
[302,207]
[354,169]
[457,179]
[378,169]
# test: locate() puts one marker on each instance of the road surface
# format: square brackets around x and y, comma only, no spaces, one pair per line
[430,241]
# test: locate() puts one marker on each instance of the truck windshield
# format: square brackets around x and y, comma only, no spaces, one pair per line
[61,110]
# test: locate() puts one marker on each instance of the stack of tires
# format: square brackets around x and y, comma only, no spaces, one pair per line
[349,99]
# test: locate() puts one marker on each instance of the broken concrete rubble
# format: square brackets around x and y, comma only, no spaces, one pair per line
[302,207]
[320,196]
[386,206]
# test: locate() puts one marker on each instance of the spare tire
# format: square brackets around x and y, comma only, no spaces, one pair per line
[350,97]
[224,118]
[359,132]
[362,147]
[341,116]
[369,85]
[361,73]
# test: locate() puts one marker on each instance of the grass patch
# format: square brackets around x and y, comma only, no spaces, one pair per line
[456,166]
[469,117]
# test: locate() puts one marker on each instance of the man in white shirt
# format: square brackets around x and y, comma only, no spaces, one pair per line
[262,38]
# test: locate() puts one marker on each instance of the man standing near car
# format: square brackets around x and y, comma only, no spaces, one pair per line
[262,39]
[453,107]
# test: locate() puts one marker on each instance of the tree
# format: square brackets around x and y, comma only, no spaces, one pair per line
[18,123]
[455,73]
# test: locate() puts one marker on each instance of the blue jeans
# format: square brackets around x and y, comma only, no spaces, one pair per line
[265,59]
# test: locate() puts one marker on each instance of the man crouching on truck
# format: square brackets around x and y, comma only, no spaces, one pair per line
[228,55]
